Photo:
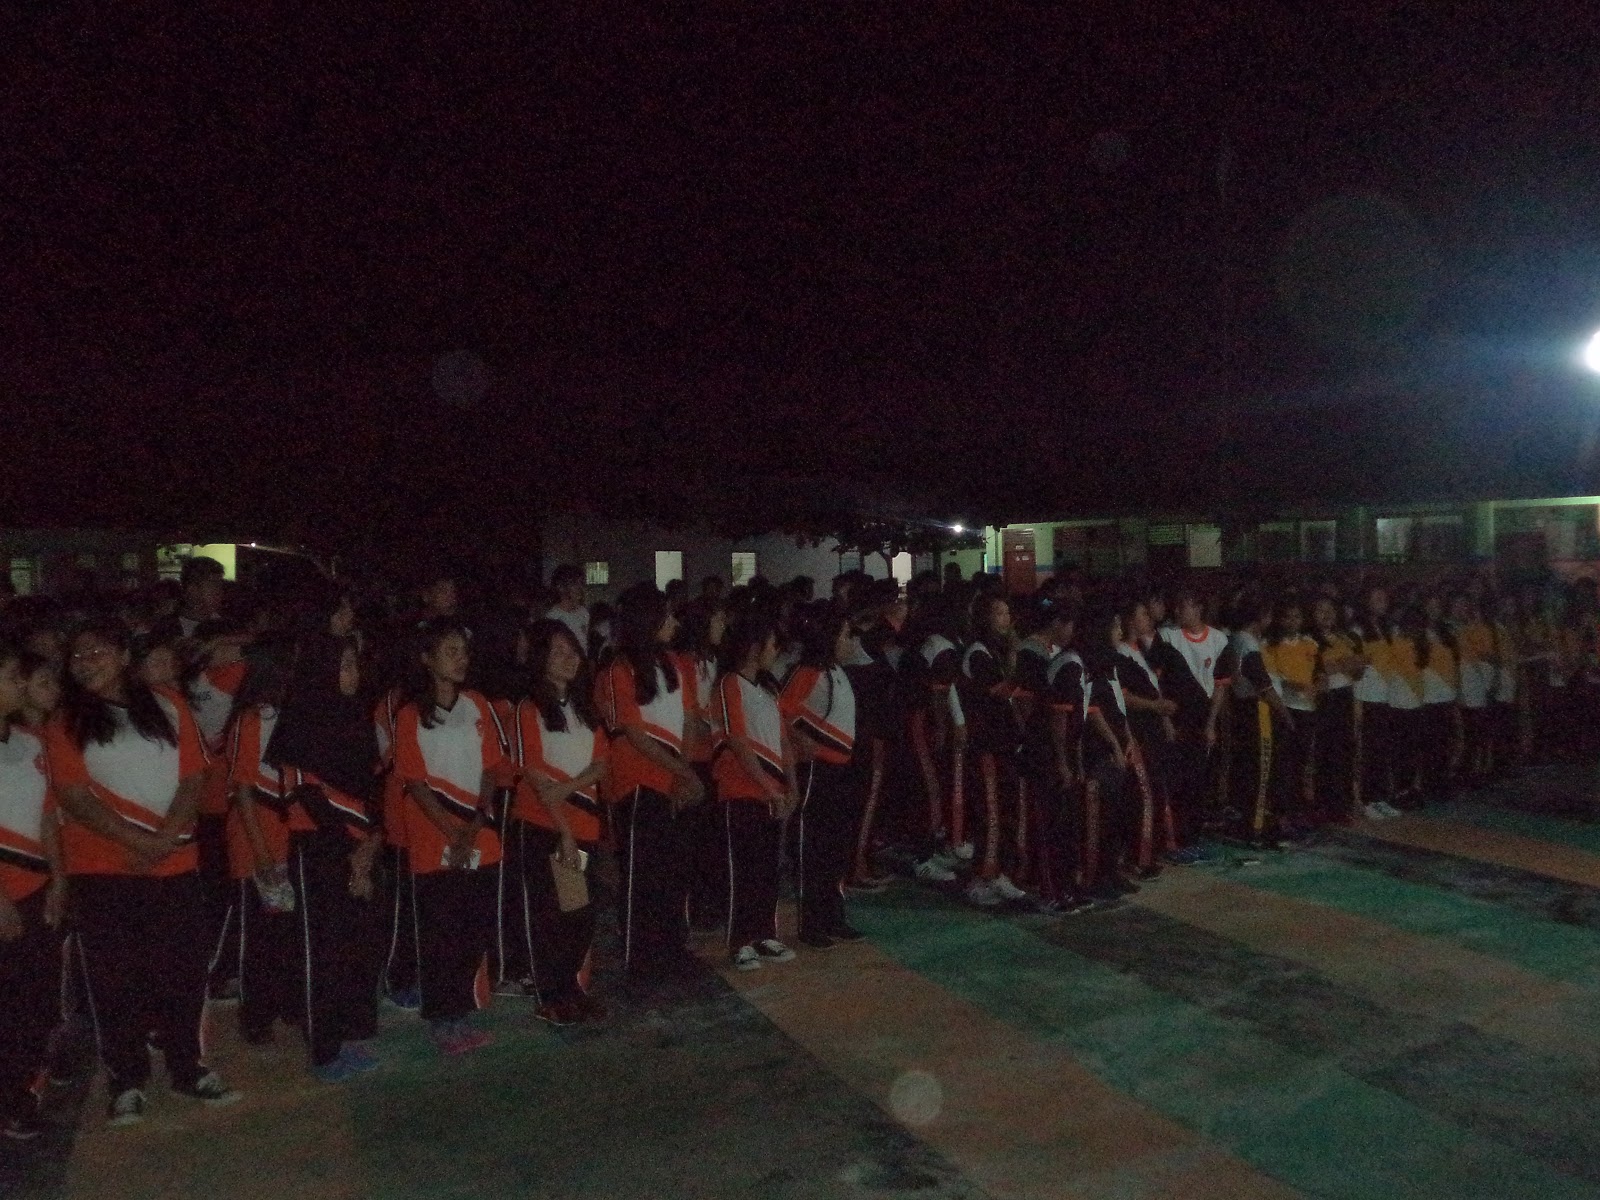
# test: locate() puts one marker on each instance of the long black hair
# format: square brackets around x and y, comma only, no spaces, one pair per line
[417,686]
[641,612]
[542,637]
[495,669]
[820,637]
[91,719]
[749,632]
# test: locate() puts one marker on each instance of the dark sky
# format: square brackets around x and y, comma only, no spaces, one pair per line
[1004,256]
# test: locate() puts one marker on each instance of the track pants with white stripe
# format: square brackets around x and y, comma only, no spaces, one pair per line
[145,954]
[339,945]
[555,942]
[830,812]
[655,884]
[269,965]
[753,843]
[30,983]
[455,925]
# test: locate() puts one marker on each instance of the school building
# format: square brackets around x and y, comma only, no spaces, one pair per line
[1513,536]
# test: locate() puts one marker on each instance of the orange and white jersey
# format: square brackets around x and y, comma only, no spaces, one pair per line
[135,777]
[751,716]
[560,755]
[211,698]
[465,745]
[662,719]
[822,704]
[25,805]
[252,730]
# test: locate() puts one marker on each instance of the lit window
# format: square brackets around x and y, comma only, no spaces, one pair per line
[849,560]
[669,567]
[1394,538]
[1319,541]
[596,574]
[744,566]
[25,575]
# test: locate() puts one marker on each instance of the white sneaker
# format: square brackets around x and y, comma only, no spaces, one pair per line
[747,959]
[1006,890]
[982,893]
[772,950]
[1388,809]
[126,1109]
[964,852]
[930,871]
[1374,811]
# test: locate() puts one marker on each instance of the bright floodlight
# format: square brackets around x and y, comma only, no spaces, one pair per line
[1591,354]
[963,529]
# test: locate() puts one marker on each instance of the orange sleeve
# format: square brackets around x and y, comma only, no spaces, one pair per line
[620,702]
[793,698]
[408,760]
[192,757]
[733,724]
[65,759]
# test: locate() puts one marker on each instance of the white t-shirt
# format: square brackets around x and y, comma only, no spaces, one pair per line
[1201,653]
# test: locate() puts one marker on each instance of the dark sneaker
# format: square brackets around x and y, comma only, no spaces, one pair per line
[127,1108]
[556,1013]
[816,941]
[846,933]
[209,1090]
[409,999]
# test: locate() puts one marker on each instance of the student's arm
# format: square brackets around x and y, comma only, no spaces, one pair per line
[1098,723]
[88,810]
[55,900]
[683,774]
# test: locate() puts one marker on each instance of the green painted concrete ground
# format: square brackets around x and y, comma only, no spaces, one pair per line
[1313,1075]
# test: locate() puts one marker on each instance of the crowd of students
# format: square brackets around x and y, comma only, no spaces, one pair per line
[309,801]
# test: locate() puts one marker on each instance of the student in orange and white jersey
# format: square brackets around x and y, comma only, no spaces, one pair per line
[258,859]
[564,755]
[128,765]
[819,708]
[754,774]
[218,676]
[645,704]
[400,969]
[32,898]
[698,644]
[325,749]
[451,753]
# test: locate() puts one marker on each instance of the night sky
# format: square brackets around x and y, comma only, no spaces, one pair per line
[278,268]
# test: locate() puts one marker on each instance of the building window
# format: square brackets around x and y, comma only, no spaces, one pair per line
[744,567]
[849,560]
[669,567]
[1394,539]
[900,568]
[25,576]
[1319,541]
[596,574]
[1205,545]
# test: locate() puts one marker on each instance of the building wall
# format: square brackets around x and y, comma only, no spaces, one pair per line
[628,548]
[55,560]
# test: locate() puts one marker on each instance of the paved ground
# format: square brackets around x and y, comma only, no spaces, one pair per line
[1409,1009]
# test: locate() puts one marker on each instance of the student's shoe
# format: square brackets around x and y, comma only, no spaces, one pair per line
[816,941]
[746,959]
[1373,811]
[27,1128]
[518,988]
[1183,856]
[981,892]
[409,999]
[127,1108]
[359,1057]
[554,1012]
[209,1090]
[1143,874]
[964,851]
[931,870]
[457,1037]
[339,1070]
[846,933]
[772,950]
[1002,886]
[868,885]
[1388,810]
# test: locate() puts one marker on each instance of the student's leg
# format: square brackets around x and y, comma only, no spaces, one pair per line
[659,932]
[317,885]
[442,947]
[400,967]
[30,978]
[176,973]
[753,866]
[510,962]
[269,969]
[833,813]
[220,916]
[876,766]
[110,934]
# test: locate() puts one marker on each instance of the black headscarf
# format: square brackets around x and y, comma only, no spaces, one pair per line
[321,730]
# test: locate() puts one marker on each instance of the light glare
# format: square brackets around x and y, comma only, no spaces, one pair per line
[1591,353]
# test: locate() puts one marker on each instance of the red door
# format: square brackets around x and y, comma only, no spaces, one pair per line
[1020,569]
